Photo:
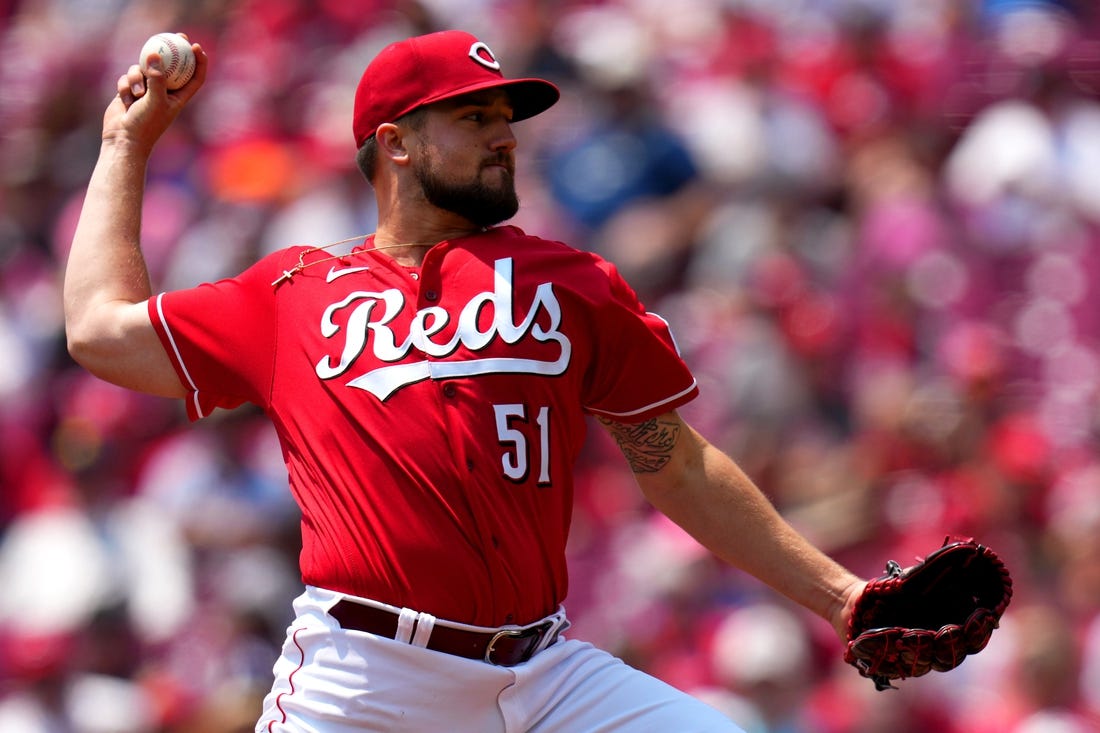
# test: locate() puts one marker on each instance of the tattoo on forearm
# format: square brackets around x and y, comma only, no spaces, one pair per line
[647,445]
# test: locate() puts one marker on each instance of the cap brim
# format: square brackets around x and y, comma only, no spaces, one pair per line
[529,96]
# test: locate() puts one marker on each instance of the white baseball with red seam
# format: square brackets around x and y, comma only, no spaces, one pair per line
[177,60]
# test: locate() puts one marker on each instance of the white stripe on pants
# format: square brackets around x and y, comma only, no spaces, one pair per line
[330,680]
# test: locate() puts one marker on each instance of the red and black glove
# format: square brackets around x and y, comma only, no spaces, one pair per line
[930,616]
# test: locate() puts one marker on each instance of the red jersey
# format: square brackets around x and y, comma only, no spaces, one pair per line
[430,417]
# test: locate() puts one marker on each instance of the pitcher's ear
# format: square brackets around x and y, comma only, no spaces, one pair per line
[391,142]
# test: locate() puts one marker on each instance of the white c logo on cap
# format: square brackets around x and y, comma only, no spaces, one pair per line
[480,48]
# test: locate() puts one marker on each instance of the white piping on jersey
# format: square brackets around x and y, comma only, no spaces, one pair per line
[179,357]
[668,326]
[651,406]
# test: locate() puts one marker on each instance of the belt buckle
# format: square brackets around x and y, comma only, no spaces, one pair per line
[514,633]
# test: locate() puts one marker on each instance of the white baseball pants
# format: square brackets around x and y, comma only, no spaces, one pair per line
[332,680]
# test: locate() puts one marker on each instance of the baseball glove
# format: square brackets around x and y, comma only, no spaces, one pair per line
[930,616]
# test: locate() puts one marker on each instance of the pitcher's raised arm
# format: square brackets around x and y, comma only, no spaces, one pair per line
[106,280]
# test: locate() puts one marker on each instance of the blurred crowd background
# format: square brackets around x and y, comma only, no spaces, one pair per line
[873,225]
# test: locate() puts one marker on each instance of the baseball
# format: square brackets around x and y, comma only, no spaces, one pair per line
[177,58]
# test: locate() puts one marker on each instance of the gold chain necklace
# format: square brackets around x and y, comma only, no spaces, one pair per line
[288,274]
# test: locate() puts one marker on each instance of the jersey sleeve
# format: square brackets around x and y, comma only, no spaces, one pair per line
[221,337]
[637,371]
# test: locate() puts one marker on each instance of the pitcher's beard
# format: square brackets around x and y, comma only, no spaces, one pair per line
[478,202]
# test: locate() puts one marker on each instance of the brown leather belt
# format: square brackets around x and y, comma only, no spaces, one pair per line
[503,647]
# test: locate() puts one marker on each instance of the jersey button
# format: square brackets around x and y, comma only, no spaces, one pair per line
[431,295]
[449,390]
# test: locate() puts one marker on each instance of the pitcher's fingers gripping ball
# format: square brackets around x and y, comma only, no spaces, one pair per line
[930,616]
[176,57]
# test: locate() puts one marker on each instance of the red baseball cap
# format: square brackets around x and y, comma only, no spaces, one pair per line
[430,68]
